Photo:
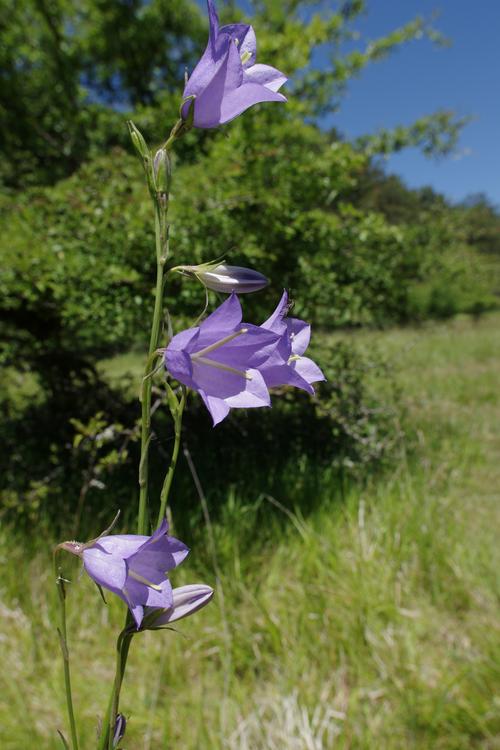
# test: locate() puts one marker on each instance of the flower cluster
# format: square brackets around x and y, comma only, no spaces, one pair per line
[228,362]
[233,364]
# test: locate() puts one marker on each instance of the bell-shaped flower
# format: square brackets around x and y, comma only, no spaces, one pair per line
[186,600]
[287,365]
[227,81]
[135,567]
[221,359]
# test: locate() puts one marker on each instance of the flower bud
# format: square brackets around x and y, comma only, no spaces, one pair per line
[119,733]
[186,600]
[227,279]
[138,140]
[162,171]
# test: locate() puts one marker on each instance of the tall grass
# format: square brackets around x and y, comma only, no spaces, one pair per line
[371,623]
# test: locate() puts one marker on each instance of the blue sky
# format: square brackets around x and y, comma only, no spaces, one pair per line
[420,78]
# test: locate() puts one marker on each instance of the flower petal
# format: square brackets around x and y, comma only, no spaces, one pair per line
[278,376]
[185,340]
[216,406]
[160,598]
[300,335]
[222,321]
[245,37]
[227,78]
[265,75]
[213,20]
[249,349]
[240,99]
[308,370]
[275,321]
[108,570]
[121,545]
[137,612]
[253,394]
[210,62]
[179,366]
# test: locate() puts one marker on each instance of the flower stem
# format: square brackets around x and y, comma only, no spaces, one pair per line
[122,648]
[167,482]
[162,246]
[109,723]
[65,652]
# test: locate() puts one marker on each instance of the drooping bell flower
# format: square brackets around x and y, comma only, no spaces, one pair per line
[227,81]
[287,365]
[221,359]
[134,567]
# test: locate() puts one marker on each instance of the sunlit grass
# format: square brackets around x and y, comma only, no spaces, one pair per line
[372,623]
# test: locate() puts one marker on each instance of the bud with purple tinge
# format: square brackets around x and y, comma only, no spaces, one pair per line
[119,733]
[186,600]
[220,277]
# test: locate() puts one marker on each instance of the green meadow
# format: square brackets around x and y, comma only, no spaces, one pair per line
[365,619]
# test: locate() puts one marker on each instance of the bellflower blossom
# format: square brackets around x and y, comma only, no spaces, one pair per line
[227,81]
[221,359]
[287,365]
[135,567]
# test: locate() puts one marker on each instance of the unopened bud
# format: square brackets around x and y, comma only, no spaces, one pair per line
[187,111]
[162,171]
[119,733]
[229,279]
[186,600]
[138,140]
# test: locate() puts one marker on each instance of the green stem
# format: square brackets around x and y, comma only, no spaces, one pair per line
[167,482]
[162,246]
[65,653]
[122,649]
[109,723]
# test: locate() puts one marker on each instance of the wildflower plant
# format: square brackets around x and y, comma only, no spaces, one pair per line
[228,362]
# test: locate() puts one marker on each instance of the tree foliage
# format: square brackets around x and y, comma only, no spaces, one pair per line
[66,85]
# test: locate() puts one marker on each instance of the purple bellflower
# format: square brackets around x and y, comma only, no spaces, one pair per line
[226,80]
[221,359]
[286,364]
[135,567]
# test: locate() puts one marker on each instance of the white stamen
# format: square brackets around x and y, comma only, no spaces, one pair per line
[245,57]
[221,366]
[141,579]
[219,343]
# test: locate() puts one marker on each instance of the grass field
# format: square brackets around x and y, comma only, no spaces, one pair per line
[372,623]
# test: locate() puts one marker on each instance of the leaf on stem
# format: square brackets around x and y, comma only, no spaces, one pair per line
[63,739]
